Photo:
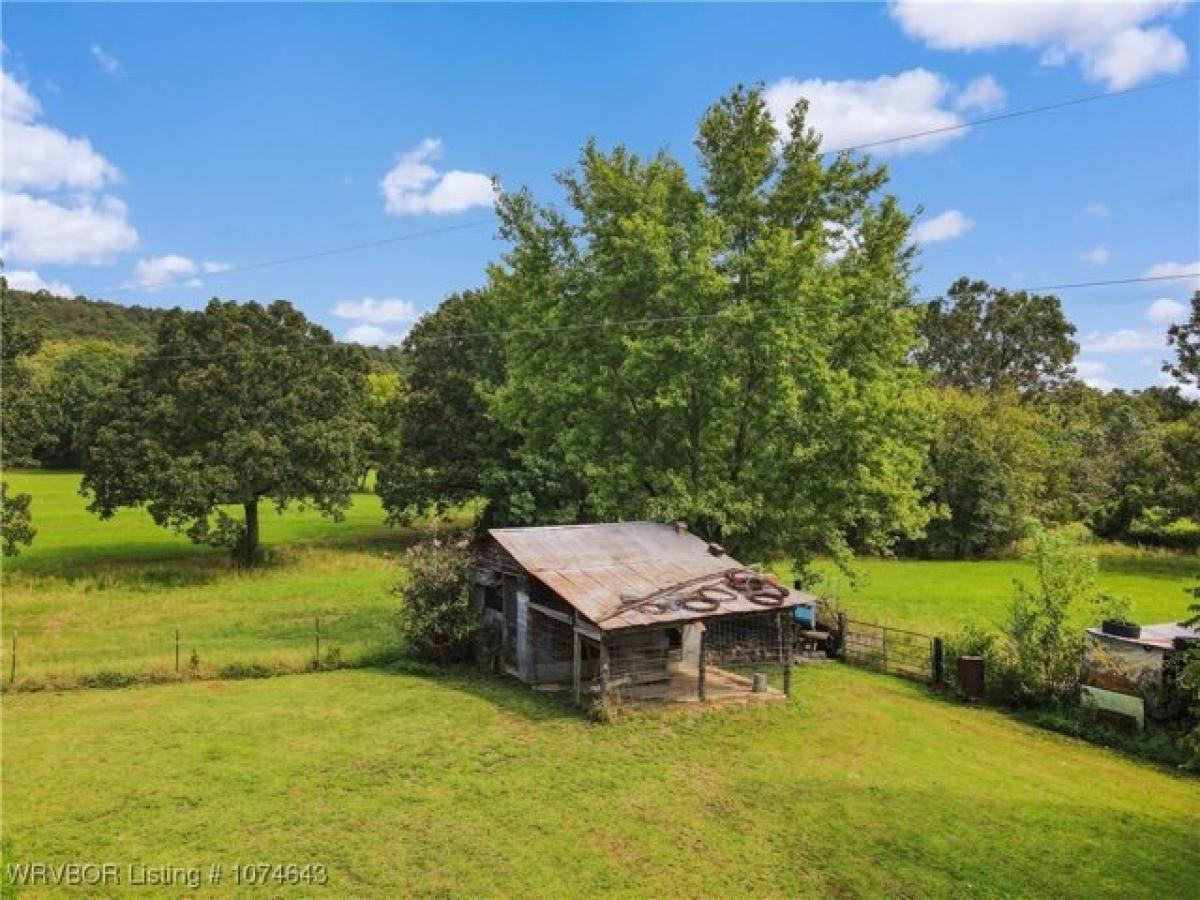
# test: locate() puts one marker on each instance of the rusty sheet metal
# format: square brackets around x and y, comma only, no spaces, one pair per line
[1157,637]
[600,569]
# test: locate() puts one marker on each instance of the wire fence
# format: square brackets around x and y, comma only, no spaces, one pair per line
[35,660]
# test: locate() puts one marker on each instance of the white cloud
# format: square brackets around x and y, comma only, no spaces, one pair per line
[984,93]
[1165,311]
[1095,374]
[943,227]
[28,280]
[1173,269]
[171,270]
[16,103]
[85,230]
[1122,341]
[1097,211]
[105,61]
[1135,55]
[374,335]
[851,113]
[413,186]
[53,209]
[41,158]
[1108,40]
[388,309]
[1098,256]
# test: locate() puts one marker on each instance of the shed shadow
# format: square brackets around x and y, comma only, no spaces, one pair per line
[503,692]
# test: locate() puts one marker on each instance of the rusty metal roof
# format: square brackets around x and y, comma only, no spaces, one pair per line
[605,570]
[1157,637]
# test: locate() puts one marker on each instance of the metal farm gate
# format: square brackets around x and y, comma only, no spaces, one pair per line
[892,650]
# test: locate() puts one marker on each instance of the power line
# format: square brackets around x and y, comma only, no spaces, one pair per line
[365,245]
[650,321]
[1014,114]
[315,254]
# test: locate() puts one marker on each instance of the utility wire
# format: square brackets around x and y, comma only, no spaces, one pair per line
[302,257]
[1015,114]
[649,321]
[365,245]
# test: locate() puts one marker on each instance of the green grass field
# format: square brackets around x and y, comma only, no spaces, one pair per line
[93,596]
[419,784]
[107,596]
[461,785]
[943,595]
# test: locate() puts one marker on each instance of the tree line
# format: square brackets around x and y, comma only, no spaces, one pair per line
[742,351]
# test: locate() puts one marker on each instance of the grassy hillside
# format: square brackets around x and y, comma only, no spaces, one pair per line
[458,785]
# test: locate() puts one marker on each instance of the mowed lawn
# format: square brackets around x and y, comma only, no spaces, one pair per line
[92,596]
[458,785]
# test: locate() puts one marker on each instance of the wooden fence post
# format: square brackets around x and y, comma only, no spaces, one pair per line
[576,660]
[785,625]
[603,673]
[12,676]
[939,650]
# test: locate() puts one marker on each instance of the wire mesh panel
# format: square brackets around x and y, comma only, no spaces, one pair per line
[641,664]
[552,648]
[748,640]
[745,653]
[891,650]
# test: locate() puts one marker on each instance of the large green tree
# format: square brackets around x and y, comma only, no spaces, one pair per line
[446,442]
[65,378]
[980,337]
[1184,337]
[20,414]
[988,473]
[734,353]
[17,342]
[235,405]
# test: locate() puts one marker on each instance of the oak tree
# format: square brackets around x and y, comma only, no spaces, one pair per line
[980,337]
[1184,337]
[236,405]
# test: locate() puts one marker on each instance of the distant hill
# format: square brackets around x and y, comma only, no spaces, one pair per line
[66,319]
[79,319]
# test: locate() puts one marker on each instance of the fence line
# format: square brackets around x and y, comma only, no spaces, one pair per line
[896,651]
[41,660]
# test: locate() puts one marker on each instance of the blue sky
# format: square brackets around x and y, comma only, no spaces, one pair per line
[149,147]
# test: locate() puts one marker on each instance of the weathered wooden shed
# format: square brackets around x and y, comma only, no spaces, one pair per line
[633,610]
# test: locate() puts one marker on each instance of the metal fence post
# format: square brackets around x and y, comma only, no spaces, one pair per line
[701,692]
[939,672]
[176,651]
[12,676]
[317,635]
